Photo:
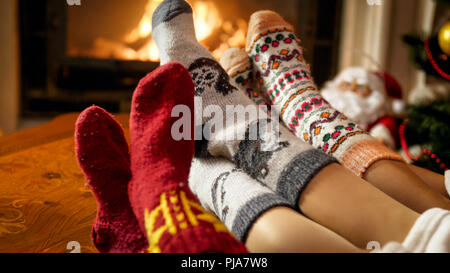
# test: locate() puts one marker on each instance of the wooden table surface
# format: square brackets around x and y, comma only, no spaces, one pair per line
[44,200]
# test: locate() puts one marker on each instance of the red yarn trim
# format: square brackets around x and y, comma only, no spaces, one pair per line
[433,61]
[401,132]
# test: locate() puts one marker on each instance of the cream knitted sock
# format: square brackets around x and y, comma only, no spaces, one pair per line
[287,83]
[239,67]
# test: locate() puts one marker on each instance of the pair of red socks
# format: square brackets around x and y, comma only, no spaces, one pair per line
[143,200]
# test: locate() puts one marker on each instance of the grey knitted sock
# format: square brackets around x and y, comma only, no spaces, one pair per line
[275,158]
[235,198]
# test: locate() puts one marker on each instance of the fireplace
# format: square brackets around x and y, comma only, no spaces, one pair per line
[73,56]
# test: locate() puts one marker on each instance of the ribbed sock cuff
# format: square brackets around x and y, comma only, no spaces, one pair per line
[299,172]
[363,154]
[252,210]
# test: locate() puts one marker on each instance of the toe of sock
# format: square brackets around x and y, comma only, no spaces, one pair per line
[261,21]
[151,118]
[234,59]
[162,89]
[168,10]
[98,140]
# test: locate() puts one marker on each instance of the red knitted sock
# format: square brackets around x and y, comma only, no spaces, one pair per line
[102,154]
[167,211]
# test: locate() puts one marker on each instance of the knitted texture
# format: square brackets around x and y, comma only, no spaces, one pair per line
[167,211]
[234,197]
[364,153]
[288,85]
[102,153]
[263,156]
[239,67]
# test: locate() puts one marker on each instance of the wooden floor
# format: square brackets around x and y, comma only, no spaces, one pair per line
[44,200]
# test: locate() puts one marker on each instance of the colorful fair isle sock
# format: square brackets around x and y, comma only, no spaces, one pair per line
[234,197]
[278,61]
[102,154]
[279,161]
[167,211]
[239,67]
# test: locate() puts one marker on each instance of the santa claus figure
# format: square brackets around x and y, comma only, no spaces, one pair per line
[369,98]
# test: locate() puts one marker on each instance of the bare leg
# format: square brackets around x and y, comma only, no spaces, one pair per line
[284,230]
[353,208]
[398,181]
[434,180]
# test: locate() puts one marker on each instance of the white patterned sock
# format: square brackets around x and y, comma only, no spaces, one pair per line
[234,197]
[287,83]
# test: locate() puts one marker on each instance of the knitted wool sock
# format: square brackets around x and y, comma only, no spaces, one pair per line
[102,154]
[166,209]
[237,199]
[234,197]
[239,67]
[278,60]
[277,160]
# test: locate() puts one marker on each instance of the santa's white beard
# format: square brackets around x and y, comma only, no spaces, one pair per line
[364,111]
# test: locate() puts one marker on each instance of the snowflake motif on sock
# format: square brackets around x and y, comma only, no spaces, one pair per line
[208,74]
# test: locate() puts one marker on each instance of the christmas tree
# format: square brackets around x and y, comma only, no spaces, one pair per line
[428,124]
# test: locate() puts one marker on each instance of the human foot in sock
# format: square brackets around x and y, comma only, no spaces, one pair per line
[239,67]
[102,154]
[287,83]
[166,209]
[274,158]
[234,197]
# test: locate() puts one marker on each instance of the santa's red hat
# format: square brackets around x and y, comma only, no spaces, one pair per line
[393,91]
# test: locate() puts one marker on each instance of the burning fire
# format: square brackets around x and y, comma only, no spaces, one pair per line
[139,45]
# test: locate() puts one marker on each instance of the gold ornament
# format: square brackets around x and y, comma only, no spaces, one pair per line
[444,38]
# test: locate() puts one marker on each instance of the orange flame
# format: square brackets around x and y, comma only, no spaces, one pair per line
[207,20]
